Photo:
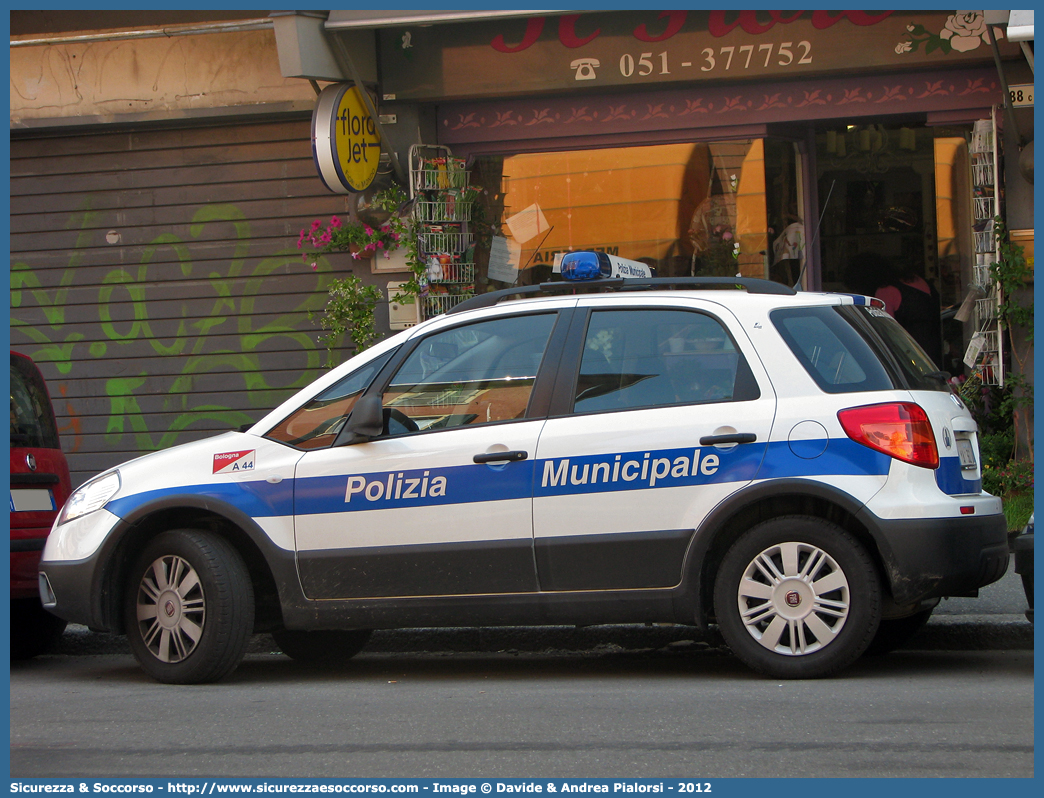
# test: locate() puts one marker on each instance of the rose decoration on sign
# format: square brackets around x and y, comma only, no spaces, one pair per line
[962,32]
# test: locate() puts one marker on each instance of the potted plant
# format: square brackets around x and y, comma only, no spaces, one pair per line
[361,240]
[352,304]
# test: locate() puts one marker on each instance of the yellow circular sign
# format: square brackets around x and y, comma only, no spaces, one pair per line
[347,146]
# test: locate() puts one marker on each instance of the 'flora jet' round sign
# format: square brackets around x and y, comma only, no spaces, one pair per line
[345,142]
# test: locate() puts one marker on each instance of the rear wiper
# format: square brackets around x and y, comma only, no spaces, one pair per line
[941,376]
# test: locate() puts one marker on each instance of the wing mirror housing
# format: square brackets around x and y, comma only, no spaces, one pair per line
[365,423]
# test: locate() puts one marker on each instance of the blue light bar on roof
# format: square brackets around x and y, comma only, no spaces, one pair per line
[588,265]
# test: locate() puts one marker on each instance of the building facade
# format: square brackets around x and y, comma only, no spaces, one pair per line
[159,180]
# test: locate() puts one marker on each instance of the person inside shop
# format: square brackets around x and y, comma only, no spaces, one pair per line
[909,298]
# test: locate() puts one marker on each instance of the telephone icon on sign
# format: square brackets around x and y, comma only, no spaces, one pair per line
[585,68]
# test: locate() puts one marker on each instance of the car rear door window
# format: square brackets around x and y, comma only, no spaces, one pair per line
[647,357]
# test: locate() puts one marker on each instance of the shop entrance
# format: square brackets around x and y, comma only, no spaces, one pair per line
[895,204]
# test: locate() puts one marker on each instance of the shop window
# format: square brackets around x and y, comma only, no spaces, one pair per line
[895,202]
[691,208]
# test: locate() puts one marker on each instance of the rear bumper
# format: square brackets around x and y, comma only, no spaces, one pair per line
[26,547]
[937,557]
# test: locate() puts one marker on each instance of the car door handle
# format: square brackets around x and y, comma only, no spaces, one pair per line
[735,437]
[500,457]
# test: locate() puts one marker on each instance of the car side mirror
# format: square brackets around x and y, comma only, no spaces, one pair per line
[365,423]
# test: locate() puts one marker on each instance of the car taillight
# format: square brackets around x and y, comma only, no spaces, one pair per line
[899,429]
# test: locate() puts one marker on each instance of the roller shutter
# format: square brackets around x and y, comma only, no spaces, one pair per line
[156,280]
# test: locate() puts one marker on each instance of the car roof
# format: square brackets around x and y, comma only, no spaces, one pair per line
[731,291]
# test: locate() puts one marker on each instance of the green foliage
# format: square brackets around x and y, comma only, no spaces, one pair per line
[1011,271]
[350,310]
[1017,510]
[998,410]
[1011,477]
[362,240]
[352,304]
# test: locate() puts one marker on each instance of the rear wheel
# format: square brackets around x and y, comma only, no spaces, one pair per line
[797,597]
[322,646]
[189,608]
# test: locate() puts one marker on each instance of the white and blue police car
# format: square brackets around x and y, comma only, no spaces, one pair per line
[789,466]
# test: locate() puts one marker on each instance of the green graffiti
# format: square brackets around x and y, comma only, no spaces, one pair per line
[126,411]
[192,348]
[51,345]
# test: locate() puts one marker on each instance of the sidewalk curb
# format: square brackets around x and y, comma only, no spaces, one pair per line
[942,633]
[974,633]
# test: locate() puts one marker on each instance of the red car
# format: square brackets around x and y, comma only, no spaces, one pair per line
[39,487]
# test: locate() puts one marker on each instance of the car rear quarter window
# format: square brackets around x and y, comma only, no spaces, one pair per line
[830,349]
[917,369]
[32,419]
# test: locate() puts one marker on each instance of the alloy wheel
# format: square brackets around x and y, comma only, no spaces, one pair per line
[171,609]
[793,598]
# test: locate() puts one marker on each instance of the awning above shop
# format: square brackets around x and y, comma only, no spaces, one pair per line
[1020,26]
[350,19]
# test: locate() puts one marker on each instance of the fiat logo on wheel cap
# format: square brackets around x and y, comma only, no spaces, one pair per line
[169,608]
[793,598]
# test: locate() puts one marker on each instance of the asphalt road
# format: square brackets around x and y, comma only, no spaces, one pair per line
[685,710]
[559,702]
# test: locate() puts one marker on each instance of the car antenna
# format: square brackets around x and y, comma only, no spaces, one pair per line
[815,233]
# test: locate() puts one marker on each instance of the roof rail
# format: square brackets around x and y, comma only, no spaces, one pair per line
[754,285]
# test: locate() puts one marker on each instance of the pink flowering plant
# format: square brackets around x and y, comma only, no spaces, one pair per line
[352,303]
[362,240]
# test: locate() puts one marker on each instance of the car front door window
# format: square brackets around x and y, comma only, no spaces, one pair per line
[476,374]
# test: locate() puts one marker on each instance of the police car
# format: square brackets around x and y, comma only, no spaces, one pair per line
[787,466]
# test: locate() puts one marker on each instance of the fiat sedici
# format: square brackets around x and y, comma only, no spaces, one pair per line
[787,466]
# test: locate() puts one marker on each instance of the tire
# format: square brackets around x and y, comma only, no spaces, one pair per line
[323,646]
[797,597]
[895,632]
[34,630]
[189,608]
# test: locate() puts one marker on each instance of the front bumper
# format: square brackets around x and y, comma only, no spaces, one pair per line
[937,557]
[76,594]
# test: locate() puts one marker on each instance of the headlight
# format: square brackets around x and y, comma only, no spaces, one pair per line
[90,496]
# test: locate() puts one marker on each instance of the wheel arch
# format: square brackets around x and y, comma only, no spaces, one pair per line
[751,506]
[268,569]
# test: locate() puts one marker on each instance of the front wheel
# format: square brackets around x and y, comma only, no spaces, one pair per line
[797,597]
[189,608]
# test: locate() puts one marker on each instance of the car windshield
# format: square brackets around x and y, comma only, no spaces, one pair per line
[317,423]
[32,420]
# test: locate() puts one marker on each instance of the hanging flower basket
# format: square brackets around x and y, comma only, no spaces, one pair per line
[361,240]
